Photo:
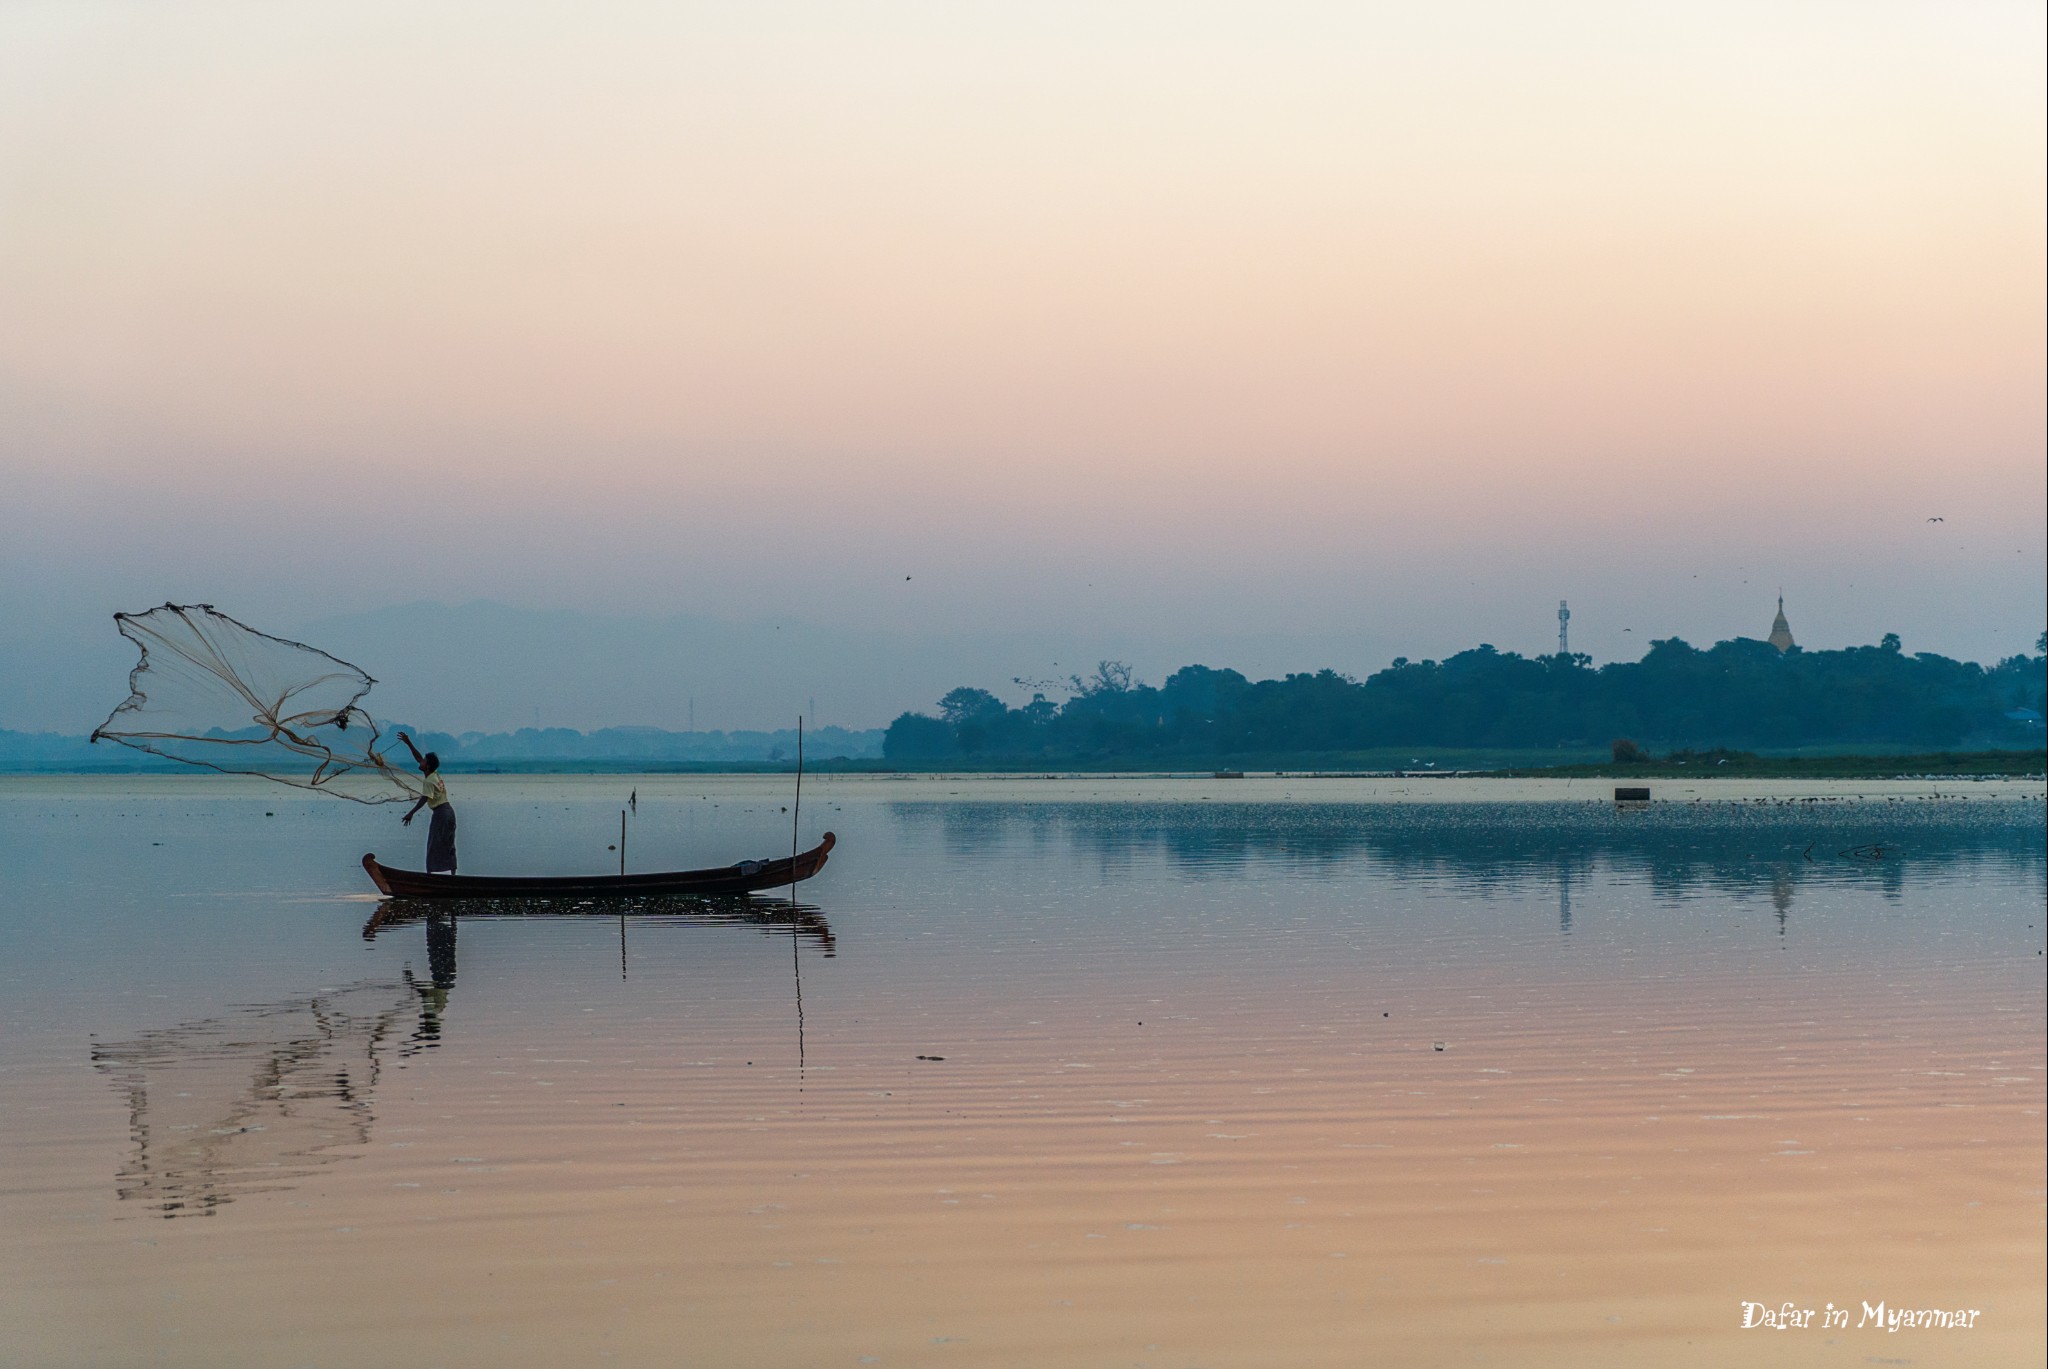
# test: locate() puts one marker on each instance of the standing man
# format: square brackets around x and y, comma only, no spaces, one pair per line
[441,823]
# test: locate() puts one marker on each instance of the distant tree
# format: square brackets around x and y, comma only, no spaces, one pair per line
[966,705]
[1110,677]
[1040,711]
[1196,693]
[974,715]
[917,736]
[1627,752]
[1890,642]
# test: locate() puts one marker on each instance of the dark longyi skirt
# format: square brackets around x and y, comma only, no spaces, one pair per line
[441,840]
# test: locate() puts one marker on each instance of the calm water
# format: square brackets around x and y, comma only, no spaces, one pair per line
[1136,1073]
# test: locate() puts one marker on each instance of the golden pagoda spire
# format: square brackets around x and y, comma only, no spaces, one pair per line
[1781,631]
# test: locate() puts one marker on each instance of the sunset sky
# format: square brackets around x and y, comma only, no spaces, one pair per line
[1359,330]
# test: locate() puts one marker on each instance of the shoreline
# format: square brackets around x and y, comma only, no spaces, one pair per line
[1124,787]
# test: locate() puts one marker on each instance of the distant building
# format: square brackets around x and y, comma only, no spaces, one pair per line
[1781,631]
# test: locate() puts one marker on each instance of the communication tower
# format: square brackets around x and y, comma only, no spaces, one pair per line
[1564,618]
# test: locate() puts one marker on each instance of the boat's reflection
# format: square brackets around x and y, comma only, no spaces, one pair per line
[258,1097]
[771,917]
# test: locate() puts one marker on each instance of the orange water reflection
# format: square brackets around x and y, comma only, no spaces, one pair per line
[1577,1126]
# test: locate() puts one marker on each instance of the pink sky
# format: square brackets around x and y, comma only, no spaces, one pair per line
[1394,323]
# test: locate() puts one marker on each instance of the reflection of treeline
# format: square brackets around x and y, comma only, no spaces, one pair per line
[1737,693]
[1678,849]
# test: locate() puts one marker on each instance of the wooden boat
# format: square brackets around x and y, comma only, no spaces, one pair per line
[746,877]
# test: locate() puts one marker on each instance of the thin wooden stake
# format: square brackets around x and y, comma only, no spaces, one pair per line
[622,908]
[796,811]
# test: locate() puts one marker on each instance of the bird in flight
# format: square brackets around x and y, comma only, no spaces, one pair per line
[1937,520]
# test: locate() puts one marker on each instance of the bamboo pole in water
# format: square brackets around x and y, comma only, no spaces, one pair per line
[796,810]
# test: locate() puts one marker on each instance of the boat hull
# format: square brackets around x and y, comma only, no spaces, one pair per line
[730,879]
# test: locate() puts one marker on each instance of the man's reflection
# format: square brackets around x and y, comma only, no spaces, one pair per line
[433,994]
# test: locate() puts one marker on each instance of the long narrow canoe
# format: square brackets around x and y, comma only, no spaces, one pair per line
[744,878]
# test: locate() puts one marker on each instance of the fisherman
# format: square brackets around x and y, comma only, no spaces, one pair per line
[441,824]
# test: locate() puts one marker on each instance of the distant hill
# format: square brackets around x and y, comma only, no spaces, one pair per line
[507,670]
[611,748]
[649,745]
[497,668]
[51,753]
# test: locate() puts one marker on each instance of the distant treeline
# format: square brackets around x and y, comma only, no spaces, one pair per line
[1740,693]
[610,748]
[651,744]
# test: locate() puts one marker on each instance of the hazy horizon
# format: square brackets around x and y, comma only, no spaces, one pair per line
[980,342]
[490,667]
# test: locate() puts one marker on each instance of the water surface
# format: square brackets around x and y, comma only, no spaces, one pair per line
[1158,1072]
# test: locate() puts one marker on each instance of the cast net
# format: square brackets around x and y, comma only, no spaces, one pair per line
[214,692]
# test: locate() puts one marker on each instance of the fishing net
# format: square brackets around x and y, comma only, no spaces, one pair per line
[214,692]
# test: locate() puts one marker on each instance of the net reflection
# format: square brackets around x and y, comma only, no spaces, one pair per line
[257,1098]
[251,1100]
